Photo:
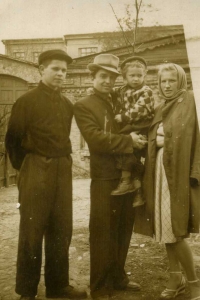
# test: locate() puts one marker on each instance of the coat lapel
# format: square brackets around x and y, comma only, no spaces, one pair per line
[106,104]
[109,113]
[158,115]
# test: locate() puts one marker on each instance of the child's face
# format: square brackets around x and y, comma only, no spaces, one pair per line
[135,76]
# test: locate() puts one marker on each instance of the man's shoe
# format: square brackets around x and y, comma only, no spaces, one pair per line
[27,298]
[67,292]
[131,286]
[125,186]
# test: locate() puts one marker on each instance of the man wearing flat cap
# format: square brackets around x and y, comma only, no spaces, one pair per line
[111,220]
[39,147]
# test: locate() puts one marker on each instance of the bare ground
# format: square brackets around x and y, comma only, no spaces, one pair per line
[146,261]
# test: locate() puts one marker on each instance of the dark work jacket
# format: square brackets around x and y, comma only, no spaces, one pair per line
[40,123]
[95,118]
[181,160]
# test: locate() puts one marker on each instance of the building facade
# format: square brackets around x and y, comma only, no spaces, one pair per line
[17,76]
[79,45]
[30,49]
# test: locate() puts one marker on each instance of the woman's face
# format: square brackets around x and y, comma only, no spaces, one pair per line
[169,83]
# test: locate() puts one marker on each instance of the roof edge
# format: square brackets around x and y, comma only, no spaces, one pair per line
[5,41]
[111,32]
[19,60]
[137,43]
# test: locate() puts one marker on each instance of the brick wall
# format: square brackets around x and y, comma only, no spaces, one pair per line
[25,71]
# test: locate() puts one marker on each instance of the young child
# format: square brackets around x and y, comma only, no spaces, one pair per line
[137,110]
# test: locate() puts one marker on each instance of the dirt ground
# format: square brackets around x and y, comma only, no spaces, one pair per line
[146,261]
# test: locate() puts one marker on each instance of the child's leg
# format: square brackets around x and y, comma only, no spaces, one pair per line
[137,183]
[125,163]
[126,174]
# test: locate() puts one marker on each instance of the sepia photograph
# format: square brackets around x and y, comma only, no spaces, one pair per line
[99,149]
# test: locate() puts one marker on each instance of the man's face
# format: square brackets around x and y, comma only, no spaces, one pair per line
[104,81]
[54,73]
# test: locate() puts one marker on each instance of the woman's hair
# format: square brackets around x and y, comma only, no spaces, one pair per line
[133,64]
[167,67]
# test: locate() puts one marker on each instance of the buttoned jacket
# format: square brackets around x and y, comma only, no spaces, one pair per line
[95,118]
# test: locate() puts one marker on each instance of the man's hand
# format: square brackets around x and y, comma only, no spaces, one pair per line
[143,137]
[118,118]
[138,143]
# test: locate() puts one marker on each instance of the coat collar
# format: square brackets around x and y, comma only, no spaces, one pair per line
[159,110]
[158,115]
[102,95]
[48,91]
[107,98]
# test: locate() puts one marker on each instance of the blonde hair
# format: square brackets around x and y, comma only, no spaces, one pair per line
[135,63]
[167,67]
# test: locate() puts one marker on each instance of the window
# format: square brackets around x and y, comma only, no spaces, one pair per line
[35,57]
[87,51]
[20,55]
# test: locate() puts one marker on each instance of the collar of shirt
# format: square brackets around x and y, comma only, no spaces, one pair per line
[128,87]
[106,97]
[53,94]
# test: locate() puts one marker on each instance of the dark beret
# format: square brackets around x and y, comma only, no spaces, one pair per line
[134,58]
[54,54]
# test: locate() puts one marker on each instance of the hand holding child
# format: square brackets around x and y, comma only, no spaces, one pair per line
[138,143]
[143,137]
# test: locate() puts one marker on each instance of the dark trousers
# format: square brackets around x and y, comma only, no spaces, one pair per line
[111,226]
[130,162]
[45,194]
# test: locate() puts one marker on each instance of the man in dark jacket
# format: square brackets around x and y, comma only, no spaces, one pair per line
[111,218]
[38,145]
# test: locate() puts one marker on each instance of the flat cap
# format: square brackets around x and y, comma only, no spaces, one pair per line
[134,58]
[54,54]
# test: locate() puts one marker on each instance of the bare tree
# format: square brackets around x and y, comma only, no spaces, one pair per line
[127,31]
[138,4]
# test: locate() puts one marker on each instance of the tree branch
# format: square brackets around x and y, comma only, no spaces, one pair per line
[123,33]
[137,6]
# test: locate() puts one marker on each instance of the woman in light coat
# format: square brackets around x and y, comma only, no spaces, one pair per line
[172,178]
